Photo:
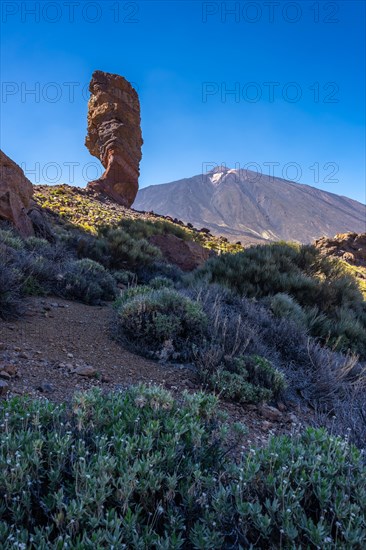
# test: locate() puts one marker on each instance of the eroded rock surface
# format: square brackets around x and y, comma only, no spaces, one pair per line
[114,136]
[16,193]
[350,247]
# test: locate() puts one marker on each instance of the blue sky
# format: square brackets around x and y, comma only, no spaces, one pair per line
[296,70]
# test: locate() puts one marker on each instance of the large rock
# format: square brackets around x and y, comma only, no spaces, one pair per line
[114,136]
[350,247]
[185,254]
[16,192]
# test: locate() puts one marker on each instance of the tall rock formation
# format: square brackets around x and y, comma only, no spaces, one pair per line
[114,136]
[16,193]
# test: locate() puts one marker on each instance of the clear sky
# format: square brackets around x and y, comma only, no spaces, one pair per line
[296,71]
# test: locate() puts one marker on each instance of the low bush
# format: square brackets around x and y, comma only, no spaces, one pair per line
[126,251]
[10,239]
[87,281]
[139,470]
[10,289]
[161,282]
[33,266]
[250,379]
[284,306]
[150,319]
[143,229]
[125,278]
[113,247]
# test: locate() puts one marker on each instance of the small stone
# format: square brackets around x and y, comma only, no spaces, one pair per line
[86,370]
[11,370]
[70,355]
[24,355]
[45,387]
[4,386]
[266,425]
[271,413]
[4,375]
[293,418]
[251,407]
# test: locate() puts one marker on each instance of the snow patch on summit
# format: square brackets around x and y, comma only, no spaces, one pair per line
[215,178]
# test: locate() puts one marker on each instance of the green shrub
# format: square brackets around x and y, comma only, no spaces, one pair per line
[35,244]
[249,379]
[125,251]
[143,229]
[124,277]
[140,470]
[151,318]
[161,282]
[10,289]
[87,281]
[113,247]
[283,305]
[10,239]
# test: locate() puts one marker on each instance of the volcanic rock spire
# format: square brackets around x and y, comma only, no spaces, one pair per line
[114,136]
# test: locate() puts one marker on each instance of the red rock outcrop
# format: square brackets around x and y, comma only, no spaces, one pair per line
[16,193]
[350,247]
[114,136]
[185,254]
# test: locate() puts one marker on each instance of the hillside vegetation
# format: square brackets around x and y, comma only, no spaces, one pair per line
[138,468]
[80,208]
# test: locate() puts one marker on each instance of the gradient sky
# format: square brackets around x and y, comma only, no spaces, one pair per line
[297,70]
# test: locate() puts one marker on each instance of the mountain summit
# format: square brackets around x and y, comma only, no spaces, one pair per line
[252,207]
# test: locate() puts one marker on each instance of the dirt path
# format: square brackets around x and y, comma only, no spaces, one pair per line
[56,337]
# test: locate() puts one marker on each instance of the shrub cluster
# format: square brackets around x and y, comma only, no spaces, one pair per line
[159,321]
[140,470]
[10,288]
[113,247]
[246,379]
[327,381]
[35,267]
[298,283]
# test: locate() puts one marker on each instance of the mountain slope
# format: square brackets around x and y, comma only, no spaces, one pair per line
[244,205]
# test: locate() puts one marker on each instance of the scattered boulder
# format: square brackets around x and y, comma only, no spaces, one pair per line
[16,192]
[114,136]
[41,227]
[271,413]
[187,255]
